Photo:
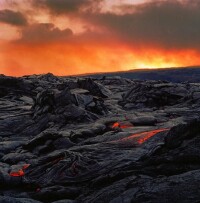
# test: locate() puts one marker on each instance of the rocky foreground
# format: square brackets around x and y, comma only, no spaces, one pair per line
[65,140]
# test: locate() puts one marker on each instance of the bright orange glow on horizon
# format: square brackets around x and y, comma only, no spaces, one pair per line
[72,59]
[79,37]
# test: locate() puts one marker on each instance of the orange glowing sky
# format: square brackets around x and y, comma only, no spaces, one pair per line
[69,37]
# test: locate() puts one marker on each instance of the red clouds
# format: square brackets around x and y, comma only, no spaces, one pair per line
[150,35]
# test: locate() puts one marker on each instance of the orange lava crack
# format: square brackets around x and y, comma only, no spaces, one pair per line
[20,172]
[146,135]
[118,125]
[150,134]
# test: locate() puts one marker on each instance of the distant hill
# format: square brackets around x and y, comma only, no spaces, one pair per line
[182,74]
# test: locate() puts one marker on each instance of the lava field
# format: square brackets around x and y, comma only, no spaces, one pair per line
[81,139]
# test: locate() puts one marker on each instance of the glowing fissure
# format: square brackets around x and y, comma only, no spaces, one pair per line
[150,134]
[144,136]
[17,173]
[20,172]
[116,125]
[122,126]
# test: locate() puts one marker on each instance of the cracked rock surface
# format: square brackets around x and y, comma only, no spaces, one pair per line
[70,140]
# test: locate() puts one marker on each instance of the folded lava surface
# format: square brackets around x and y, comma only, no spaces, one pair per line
[79,139]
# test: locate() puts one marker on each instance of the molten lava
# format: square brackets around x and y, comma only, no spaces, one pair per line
[144,136]
[25,166]
[150,134]
[17,173]
[20,172]
[116,125]
[121,125]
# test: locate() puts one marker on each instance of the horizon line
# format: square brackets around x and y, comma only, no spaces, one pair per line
[112,72]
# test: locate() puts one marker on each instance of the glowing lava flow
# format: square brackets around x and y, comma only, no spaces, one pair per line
[25,166]
[116,125]
[145,136]
[20,172]
[17,173]
[150,134]
[122,126]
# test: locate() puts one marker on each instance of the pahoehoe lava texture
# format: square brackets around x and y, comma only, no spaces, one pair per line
[68,139]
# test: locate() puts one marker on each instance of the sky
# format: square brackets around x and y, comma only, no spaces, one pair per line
[68,37]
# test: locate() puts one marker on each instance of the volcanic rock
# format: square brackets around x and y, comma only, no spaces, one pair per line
[6,199]
[78,139]
[94,88]
[154,94]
